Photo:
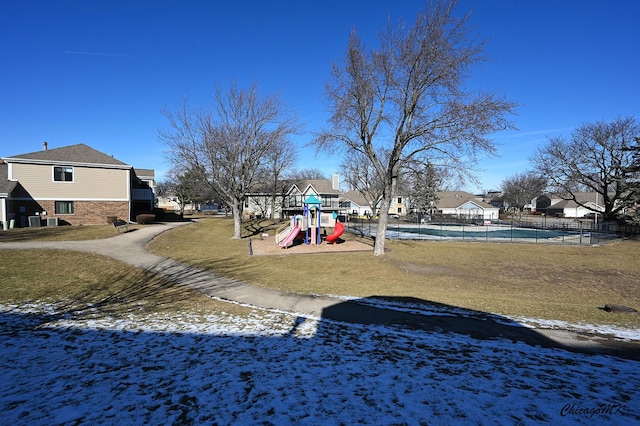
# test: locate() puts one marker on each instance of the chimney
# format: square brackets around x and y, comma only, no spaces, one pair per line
[335,182]
[44,146]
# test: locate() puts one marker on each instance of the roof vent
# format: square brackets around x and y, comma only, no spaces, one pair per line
[45,145]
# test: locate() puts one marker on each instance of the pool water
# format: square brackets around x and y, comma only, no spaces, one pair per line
[489,233]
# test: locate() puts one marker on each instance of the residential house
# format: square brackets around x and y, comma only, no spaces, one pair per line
[399,206]
[555,206]
[328,191]
[265,202]
[353,203]
[464,205]
[171,203]
[75,185]
[148,177]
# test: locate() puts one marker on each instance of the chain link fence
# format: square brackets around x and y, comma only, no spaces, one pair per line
[530,230]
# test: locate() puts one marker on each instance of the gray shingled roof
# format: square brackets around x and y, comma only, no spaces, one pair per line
[79,153]
[454,199]
[145,172]
[355,197]
[323,186]
[6,186]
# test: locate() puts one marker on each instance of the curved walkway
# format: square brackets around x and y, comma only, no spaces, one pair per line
[131,248]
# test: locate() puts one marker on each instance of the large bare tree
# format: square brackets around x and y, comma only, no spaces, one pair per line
[632,214]
[596,158]
[230,142]
[520,189]
[407,101]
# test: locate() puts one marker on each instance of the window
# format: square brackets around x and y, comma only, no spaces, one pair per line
[399,200]
[295,201]
[399,210]
[64,207]
[63,174]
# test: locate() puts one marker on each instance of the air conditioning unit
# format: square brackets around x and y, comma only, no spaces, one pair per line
[34,221]
[52,221]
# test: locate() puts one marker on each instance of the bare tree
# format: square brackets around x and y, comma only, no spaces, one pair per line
[187,187]
[518,190]
[632,213]
[360,175]
[407,100]
[231,142]
[278,162]
[596,158]
[307,174]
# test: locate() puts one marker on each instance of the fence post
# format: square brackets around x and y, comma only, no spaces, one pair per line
[511,229]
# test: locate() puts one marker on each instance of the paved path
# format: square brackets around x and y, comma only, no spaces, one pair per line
[130,247]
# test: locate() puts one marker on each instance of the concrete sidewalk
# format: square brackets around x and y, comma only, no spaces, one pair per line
[130,248]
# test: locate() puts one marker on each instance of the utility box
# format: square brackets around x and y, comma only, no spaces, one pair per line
[34,221]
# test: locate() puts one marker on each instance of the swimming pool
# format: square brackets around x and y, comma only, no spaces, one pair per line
[472,232]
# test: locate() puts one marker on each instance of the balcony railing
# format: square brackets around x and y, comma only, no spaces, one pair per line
[142,194]
[333,205]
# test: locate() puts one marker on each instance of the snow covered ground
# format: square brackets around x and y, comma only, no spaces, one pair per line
[276,368]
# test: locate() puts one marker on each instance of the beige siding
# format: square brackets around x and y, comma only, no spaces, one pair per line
[88,183]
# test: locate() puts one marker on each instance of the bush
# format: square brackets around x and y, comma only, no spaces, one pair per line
[159,213]
[145,218]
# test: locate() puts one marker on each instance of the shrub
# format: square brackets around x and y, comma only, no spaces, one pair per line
[145,218]
[159,213]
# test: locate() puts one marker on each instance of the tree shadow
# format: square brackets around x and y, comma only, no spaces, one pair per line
[418,314]
[206,375]
[259,226]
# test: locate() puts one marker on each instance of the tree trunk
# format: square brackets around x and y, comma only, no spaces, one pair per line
[381,231]
[272,213]
[236,209]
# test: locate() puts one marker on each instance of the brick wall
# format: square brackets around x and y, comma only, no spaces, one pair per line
[89,212]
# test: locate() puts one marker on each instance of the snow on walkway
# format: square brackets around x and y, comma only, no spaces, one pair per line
[274,368]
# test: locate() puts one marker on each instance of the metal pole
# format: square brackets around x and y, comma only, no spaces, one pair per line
[511,229]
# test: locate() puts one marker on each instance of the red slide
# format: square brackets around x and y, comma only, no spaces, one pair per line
[337,231]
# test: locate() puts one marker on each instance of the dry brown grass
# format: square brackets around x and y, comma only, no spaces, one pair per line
[60,233]
[89,284]
[568,283]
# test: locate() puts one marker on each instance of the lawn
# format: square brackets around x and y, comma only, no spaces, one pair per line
[555,282]
[85,284]
[85,339]
[60,233]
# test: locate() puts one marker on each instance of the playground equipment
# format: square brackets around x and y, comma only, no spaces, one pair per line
[337,231]
[312,213]
[310,222]
[285,236]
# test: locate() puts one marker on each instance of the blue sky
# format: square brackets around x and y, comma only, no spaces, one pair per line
[100,72]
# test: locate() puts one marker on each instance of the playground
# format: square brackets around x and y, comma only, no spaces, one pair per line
[307,233]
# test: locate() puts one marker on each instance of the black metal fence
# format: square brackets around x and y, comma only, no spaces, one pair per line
[530,230]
